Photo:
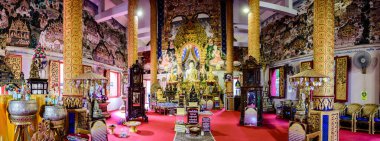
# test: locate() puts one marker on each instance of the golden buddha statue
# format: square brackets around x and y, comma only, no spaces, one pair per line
[210,76]
[192,73]
[159,95]
[34,70]
[172,77]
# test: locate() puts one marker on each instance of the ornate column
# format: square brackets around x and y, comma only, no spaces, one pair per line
[254,29]
[72,36]
[153,41]
[323,39]
[230,53]
[132,32]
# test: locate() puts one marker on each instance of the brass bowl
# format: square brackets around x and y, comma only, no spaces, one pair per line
[54,113]
[22,112]
[195,130]
[22,107]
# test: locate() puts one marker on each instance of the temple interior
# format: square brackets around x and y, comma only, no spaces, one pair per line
[189,70]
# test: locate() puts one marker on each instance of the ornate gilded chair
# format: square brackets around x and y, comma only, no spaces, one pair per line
[347,118]
[363,118]
[341,107]
[376,122]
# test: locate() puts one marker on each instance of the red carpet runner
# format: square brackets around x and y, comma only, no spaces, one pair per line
[224,126]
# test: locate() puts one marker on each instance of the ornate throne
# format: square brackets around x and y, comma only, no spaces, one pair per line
[136,94]
[251,96]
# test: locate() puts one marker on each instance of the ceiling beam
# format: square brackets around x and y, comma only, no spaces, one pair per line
[117,11]
[288,10]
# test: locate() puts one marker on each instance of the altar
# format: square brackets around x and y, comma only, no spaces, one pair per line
[189,84]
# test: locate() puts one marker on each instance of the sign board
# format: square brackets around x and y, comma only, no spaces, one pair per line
[192,116]
[193,104]
[180,128]
[206,124]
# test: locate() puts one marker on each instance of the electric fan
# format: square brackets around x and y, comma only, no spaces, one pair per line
[362,60]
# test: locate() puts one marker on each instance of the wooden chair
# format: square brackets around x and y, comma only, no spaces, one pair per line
[341,107]
[375,122]
[298,132]
[363,118]
[99,130]
[347,119]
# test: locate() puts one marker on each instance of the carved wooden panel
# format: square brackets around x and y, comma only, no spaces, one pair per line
[108,73]
[14,62]
[54,73]
[341,78]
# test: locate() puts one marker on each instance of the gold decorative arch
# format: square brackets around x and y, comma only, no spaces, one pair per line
[191,33]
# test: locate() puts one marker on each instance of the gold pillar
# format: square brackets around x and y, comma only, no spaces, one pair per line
[72,36]
[132,32]
[323,39]
[153,41]
[254,29]
[230,52]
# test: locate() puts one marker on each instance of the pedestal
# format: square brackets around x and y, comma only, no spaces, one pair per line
[327,122]
[230,104]
[22,123]
[58,128]
[74,120]
[103,107]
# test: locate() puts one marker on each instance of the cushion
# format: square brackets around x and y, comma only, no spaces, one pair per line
[377,119]
[345,117]
[362,119]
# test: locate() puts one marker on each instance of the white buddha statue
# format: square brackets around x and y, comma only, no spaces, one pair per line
[192,73]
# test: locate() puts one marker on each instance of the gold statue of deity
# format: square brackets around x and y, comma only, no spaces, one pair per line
[172,77]
[210,76]
[192,73]
[159,95]
[34,69]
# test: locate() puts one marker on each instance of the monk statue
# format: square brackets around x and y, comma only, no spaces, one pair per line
[210,76]
[192,73]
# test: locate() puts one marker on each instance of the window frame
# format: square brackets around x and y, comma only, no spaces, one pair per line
[117,85]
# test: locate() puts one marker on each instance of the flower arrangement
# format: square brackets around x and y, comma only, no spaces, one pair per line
[39,52]
[11,87]
[54,97]
[22,93]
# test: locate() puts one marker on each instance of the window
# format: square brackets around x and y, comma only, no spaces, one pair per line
[236,87]
[275,83]
[114,84]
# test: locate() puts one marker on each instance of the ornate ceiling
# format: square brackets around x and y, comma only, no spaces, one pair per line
[269,9]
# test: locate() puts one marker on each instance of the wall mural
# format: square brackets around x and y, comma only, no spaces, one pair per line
[26,23]
[356,22]
[103,42]
[191,18]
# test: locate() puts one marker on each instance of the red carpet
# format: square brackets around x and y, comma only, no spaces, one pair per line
[224,126]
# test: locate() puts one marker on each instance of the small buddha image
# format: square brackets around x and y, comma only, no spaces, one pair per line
[210,75]
[172,77]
